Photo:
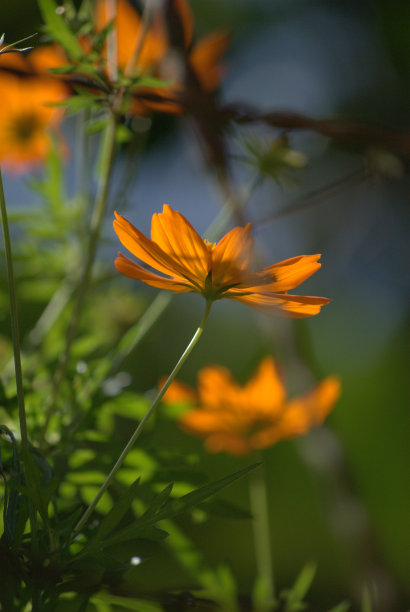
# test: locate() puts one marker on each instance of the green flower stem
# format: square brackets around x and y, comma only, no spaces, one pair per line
[141,424]
[16,349]
[261,530]
[84,283]
[14,318]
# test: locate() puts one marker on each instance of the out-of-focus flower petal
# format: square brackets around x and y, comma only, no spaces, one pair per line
[238,419]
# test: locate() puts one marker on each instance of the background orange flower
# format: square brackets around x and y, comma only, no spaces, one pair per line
[239,419]
[26,115]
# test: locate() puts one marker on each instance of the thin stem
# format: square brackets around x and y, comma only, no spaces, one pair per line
[14,318]
[261,530]
[112,59]
[315,197]
[141,424]
[84,283]
[145,23]
[16,349]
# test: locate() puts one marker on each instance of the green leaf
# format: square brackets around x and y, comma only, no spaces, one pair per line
[139,605]
[79,102]
[221,587]
[261,597]
[137,529]
[225,508]
[15,507]
[295,596]
[196,497]
[158,503]
[123,134]
[38,482]
[113,518]
[58,29]
[100,38]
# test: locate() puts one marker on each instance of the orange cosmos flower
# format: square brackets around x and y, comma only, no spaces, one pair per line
[239,419]
[25,116]
[215,271]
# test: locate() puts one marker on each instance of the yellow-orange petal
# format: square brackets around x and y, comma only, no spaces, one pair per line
[201,422]
[187,21]
[43,58]
[205,59]
[309,410]
[318,402]
[229,443]
[181,242]
[290,273]
[146,250]
[178,393]
[216,386]
[128,29]
[293,306]
[264,438]
[232,257]
[265,389]
[133,270]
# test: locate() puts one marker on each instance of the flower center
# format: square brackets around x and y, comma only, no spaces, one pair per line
[25,126]
[210,245]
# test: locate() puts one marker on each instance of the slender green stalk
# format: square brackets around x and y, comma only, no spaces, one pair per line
[14,318]
[261,530]
[16,349]
[84,283]
[141,424]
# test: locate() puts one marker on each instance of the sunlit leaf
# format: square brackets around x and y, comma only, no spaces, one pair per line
[116,514]
[295,596]
[58,29]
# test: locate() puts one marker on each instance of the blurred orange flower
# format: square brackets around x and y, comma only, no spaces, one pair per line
[128,29]
[156,57]
[26,115]
[239,419]
[215,271]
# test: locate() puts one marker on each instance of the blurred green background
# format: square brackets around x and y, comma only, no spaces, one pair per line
[340,496]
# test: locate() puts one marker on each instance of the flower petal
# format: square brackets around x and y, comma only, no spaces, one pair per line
[232,257]
[290,273]
[201,422]
[313,407]
[146,250]
[228,442]
[216,387]
[133,270]
[300,414]
[293,306]
[205,59]
[178,393]
[265,389]
[176,237]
